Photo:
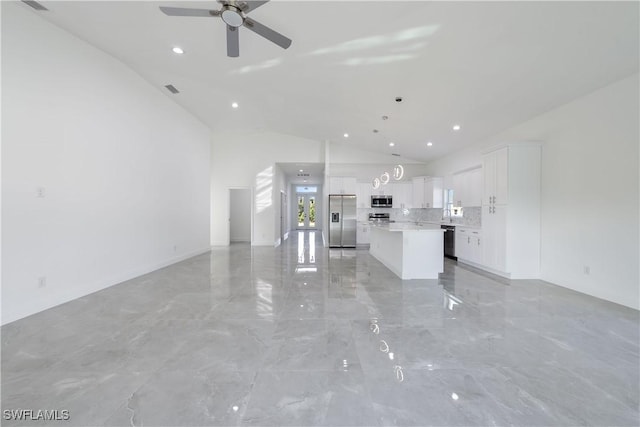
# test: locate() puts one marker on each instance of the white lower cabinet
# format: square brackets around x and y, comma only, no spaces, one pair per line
[495,231]
[469,245]
[363,233]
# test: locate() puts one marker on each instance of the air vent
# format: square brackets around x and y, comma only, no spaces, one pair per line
[303,174]
[395,154]
[172,89]
[34,4]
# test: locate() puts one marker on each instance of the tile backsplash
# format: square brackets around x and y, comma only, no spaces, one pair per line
[470,216]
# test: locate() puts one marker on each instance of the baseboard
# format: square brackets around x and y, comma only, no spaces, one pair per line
[485,268]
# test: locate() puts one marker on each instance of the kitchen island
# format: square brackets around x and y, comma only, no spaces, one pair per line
[411,251]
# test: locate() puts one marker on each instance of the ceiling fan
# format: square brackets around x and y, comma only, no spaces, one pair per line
[234,14]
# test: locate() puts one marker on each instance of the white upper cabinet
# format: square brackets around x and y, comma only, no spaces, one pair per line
[427,192]
[402,193]
[363,194]
[342,185]
[467,188]
[496,177]
[418,192]
[433,195]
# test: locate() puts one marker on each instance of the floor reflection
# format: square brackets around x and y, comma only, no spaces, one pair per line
[306,253]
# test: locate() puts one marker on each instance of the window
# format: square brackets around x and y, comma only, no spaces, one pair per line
[306,189]
[449,210]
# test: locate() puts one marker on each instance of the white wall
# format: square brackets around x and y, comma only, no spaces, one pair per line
[248,159]
[344,152]
[589,190]
[366,172]
[123,168]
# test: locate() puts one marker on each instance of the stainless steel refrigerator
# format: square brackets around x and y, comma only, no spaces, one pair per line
[342,221]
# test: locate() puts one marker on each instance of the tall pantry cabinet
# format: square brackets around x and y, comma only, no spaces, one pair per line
[511,210]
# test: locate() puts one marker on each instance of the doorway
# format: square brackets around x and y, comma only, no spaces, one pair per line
[306,218]
[283,219]
[240,215]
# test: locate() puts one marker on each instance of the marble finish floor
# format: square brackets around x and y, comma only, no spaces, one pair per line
[306,336]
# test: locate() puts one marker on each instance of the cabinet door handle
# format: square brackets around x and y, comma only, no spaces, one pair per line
[478,242]
[469,240]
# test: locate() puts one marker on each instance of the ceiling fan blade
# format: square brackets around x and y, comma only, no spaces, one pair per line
[267,33]
[248,6]
[181,11]
[233,43]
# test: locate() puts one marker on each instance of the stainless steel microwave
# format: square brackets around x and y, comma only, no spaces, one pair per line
[381,201]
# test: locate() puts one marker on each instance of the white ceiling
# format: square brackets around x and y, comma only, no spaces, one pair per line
[484,65]
[312,173]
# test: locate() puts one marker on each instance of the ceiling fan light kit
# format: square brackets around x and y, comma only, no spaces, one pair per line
[234,14]
[231,15]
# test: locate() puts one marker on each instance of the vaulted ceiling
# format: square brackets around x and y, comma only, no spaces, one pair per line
[483,65]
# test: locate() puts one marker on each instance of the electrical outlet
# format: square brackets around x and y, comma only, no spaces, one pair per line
[40,193]
[42,282]
[587,269]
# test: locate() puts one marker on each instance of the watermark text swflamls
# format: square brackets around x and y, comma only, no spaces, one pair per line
[36,414]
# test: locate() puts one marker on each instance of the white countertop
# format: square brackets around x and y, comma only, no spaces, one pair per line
[407,226]
[419,223]
[451,223]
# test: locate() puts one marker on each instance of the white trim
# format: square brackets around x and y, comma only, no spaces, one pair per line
[487,269]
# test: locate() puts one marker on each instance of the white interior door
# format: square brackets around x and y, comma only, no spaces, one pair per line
[240,215]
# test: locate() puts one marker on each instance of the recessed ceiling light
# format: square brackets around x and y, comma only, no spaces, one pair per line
[301,170]
[304,180]
[346,135]
[429,144]
[456,127]
[234,105]
[391,144]
[178,50]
